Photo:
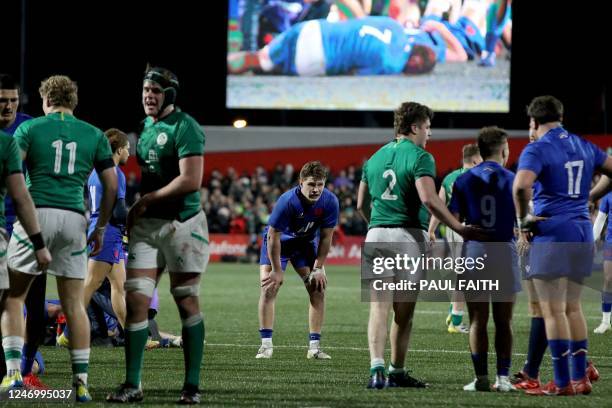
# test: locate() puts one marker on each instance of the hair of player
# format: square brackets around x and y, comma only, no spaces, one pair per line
[490,141]
[60,91]
[545,109]
[313,169]
[116,139]
[8,82]
[408,114]
[422,60]
[469,151]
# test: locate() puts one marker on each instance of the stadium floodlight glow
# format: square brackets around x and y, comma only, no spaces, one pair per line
[240,123]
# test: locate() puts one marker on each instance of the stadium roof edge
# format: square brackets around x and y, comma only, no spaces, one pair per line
[228,138]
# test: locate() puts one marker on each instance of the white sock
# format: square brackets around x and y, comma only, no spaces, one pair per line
[14,346]
[267,342]
[377,362]
[606,317]
[314,344]
[457,312]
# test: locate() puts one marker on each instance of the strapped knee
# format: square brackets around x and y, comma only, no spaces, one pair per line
[184,291]
[144,286]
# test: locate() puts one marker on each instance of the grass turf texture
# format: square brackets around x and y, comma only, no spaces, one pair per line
[231,376]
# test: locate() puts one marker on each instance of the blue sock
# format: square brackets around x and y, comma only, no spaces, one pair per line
[537,347]
[560,358]
[606,302]
[579,359]
[66,331]
[28,355]
[314,336]
[503,366]
[41,362]
[265,333]
[480,364]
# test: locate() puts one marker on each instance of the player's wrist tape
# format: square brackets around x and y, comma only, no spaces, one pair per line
[100,228]
[523,223]
[37,241]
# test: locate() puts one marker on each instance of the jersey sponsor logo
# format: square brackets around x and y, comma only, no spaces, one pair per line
[152,156]
[162,139]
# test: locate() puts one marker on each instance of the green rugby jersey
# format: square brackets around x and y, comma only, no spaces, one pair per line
[160,147]
[448,182]
[61,152]
[391,174]
[10,163]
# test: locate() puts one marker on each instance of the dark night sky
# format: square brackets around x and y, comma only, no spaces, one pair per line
[105,46]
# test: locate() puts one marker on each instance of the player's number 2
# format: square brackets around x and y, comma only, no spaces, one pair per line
[71,147]
[388,195]
[384,36]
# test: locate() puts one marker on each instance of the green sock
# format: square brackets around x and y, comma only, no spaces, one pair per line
[456,319]
[373,370]
[136,336]
[193,349]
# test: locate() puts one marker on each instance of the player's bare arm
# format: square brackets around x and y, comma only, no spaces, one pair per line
[454,49]
[434,221]
[363,201]
[189,180]
[427,193]
[26,213]
[604,185]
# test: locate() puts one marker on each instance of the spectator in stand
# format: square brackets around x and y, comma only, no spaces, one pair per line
[343,181]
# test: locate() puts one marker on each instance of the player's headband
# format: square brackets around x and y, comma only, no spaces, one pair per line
[166,80]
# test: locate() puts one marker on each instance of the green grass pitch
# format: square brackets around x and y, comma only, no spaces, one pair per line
[231,376]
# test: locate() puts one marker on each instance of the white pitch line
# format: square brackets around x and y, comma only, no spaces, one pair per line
[442,351]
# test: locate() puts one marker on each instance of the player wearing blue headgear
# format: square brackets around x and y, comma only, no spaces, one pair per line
[564,164]
[299,231]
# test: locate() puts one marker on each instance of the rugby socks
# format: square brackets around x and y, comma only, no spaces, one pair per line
[480,365]
[315,340]
[193,349]
[560,350]
[136,335]
[579,359]
[27,359]
[606,307]
[503,366]
[456,318]
[377,364]
[537,347]
[80,364]
[12,346]
[266,337]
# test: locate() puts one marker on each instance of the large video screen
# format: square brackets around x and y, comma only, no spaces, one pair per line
[453,55]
